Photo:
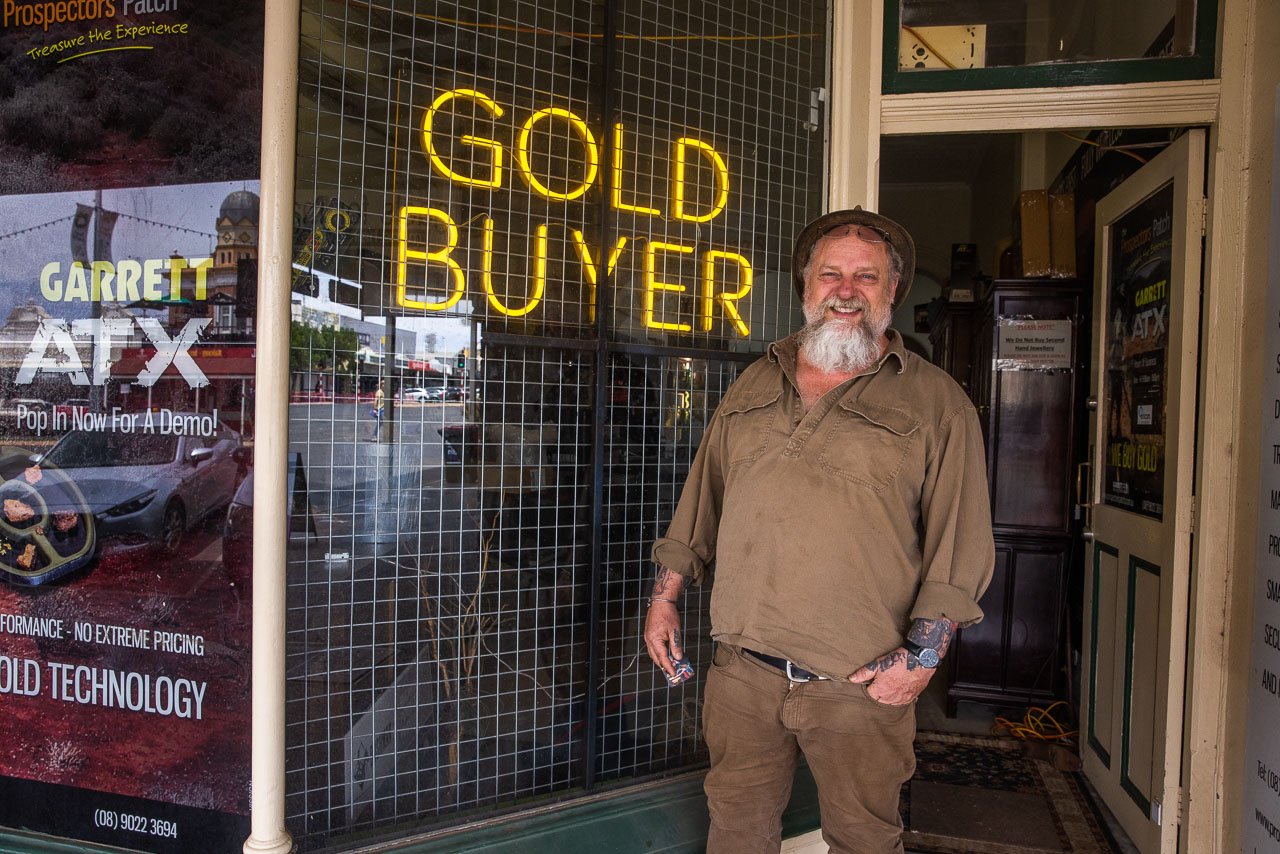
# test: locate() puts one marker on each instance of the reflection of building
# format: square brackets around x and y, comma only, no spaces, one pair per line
[230,284]
[235,264]
[15,339]
[223,294]
[237,230]
[225,352]
[18,331]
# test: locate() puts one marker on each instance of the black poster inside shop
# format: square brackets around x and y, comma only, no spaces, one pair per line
[129,134]
[1137,340]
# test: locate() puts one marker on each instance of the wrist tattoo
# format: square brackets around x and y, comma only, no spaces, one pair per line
[934,634]
[667,584]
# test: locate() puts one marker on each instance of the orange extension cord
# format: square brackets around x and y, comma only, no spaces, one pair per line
[1037,725]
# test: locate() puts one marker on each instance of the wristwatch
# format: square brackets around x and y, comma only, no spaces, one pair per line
[927,656]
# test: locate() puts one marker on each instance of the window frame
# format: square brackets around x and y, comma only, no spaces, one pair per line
[1201,65]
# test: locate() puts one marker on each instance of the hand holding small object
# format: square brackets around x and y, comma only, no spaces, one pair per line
[683,672]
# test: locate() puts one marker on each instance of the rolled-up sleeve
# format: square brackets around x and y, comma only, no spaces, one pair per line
[690,544]
[957,547]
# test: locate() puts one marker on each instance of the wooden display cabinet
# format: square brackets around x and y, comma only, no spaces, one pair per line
[1027,380]
[952,326]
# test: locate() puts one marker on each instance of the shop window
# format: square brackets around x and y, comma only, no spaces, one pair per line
[533,247]
[932,45]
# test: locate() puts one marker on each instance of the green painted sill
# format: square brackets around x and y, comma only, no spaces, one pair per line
[663,816]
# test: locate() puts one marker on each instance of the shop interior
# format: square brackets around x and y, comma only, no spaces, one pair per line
[965,198]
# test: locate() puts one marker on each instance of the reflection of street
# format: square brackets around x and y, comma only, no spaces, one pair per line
[443,622]
[347,471]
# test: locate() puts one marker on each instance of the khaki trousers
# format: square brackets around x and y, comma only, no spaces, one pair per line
[757,724]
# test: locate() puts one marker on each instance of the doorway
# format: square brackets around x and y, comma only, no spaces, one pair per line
[961,195]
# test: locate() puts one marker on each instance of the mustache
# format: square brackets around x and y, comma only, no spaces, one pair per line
[850,304]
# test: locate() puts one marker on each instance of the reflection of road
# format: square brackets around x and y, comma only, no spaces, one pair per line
[352,481]
[334,430]
[451,622]
[411,584]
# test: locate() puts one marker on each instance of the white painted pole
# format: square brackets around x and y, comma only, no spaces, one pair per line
[271,417]
[857,45]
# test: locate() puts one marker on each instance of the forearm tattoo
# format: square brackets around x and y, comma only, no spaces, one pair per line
[668,584]
[934,634]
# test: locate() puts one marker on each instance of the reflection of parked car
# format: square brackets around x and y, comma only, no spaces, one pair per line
[423,394]
[151,486]
[426,395]
[436,393]
[237,531]
[75,404]
[10,408]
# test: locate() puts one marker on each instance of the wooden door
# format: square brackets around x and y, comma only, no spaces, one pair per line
[1138,542]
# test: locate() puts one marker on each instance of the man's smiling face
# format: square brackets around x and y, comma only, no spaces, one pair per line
[848,280]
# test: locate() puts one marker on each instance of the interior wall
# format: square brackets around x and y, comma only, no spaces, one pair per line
[1058,149]
[993,197]
[936,215]
[970,200]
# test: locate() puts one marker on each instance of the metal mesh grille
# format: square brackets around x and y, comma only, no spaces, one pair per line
[535,242]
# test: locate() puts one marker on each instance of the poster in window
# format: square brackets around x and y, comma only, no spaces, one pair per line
[128,236]
[1137,339]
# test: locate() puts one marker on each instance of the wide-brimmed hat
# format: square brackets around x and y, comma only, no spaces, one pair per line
[894,233]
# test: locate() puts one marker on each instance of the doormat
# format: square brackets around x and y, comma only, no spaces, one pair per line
[983,795]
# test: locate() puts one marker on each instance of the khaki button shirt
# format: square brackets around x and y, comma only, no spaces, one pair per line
[831,530]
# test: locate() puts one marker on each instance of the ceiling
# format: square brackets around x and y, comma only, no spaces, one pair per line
[942,158]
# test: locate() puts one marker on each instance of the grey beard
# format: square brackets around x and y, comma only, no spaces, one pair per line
[834,345]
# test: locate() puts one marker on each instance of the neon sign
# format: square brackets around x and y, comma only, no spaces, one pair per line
[724,276]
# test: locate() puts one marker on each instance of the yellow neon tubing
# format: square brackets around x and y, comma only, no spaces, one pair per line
[616,188]
[727,299]
[526,169]
[722,180]
[589,264]
[651,285]
[404,253]
[480,142]
[539,271]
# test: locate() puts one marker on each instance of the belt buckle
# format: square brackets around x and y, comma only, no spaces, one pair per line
[792,677]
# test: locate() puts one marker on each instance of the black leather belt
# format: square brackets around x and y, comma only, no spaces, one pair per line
[794,673]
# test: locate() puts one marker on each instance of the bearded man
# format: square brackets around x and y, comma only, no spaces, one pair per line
[840,492]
